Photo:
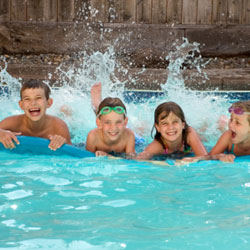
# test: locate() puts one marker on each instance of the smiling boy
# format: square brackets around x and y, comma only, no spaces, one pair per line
[111,134]
[34,122]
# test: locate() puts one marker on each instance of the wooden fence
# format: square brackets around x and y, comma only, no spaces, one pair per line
[195,12]
[142,32]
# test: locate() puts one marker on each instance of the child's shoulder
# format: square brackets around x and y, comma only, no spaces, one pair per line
[12,120]
[192,133]
[227,135]
[191,130]
[129,132]
[55,119]
[94,134]
[56,123]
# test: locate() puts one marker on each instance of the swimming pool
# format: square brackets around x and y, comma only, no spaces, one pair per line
[64,202]
[51,202]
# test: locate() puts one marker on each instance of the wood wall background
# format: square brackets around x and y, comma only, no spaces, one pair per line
[195,12]
[142,32]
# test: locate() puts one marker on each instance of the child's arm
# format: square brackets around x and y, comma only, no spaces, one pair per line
[221,157]
[222,144]
[195,143]
[91,141]
[154,148]
[130,147]
[217,153]
[62,135]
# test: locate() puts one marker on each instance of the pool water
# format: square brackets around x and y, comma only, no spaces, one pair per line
[63,202]
[52,202]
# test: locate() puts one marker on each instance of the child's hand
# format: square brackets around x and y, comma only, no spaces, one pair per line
[7,138]
[56,141]
[187,160]
[144,156]
[100,153]
[226,157]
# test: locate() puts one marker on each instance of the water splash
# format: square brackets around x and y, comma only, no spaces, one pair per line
[9,91]
[201,110]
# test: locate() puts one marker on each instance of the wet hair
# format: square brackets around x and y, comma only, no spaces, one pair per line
[111,102]
[35,84]
[163,111]
[244,105]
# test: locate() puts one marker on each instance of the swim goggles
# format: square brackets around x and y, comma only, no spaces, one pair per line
[106,110]
[238,111]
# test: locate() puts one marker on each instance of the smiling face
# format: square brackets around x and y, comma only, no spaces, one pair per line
[34,103]
[112,125]
[170,127]
[240,128]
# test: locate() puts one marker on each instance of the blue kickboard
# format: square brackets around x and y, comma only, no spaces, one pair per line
[39,146]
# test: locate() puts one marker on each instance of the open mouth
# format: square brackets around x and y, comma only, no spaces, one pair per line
[113,134]
[171,133]
[233,135]
[34,111]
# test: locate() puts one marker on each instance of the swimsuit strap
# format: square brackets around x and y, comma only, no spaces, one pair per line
[232,150]
[187,148]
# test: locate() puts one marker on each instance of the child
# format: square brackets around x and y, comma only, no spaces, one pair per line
[236,140]
[172,134]
[34,122]
[111,134]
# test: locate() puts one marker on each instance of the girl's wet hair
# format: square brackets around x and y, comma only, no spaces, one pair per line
[163,111]
[35,84]
[111,102]
[244,105]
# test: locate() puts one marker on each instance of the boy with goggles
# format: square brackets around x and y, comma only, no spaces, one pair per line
[111,134]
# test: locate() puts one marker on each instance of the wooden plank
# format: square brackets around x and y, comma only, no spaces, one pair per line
[234,11]
[246,12]
[220,42]
[128,11]
[66,10]
[35,10]
[174,11]
[219,12]
[144,11]
[204,14]
[114,11]
[50,10]
[4,10]
[189,12]
[99,10]
[18,10]
[159,11]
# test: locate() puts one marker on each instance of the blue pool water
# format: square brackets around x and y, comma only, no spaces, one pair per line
[64,202]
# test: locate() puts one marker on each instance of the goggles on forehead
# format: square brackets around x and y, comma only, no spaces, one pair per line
[106,110]
[238,111]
